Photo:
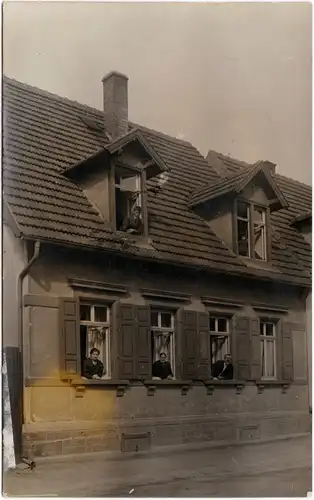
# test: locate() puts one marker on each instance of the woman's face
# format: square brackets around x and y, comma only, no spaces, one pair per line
[94,356]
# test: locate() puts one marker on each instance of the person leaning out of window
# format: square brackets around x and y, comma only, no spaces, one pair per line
[223,369]
[162,368]
[93,367]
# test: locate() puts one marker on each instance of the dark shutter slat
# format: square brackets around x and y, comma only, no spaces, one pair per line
[242,333]
[189,334]
[143,364]
[126,340]
[287,351]
[70,336]
[203,345]
[255,350]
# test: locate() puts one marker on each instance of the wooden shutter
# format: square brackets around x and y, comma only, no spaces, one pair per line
[126,334]
[203,345]
[256,372]
[242,340]
[143,360]
[70,336]
[188,344]
[133,346]
[287,351]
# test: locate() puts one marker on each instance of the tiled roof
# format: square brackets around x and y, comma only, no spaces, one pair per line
[45,134]
[235,183]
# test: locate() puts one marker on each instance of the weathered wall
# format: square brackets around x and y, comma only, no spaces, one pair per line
[14,260]
[59,421]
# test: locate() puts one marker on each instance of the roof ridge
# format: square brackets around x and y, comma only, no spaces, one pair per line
[46,93]
[164,136]
[244,164]
[85,107]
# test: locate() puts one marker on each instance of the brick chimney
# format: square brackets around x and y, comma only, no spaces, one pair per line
[115,87]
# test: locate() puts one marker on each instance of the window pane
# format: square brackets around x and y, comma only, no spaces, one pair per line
[85,312]
[166,320]
[129,183]
[212,324]
[219,347]
[222,325]
[261,328]
[101,314]
[242,209]
[243,235]
[154,318]
[270,365]
[263,358]
[97,337]
[269,329]
[260,241]
[163,343]
[258,215]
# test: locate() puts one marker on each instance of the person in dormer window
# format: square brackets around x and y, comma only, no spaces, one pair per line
[133,223]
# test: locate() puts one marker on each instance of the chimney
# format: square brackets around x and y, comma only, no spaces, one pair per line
[115,87]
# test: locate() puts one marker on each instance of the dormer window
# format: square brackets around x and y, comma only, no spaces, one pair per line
[128,196]
[251,230]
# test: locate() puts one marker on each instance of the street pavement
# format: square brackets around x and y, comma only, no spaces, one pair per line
[281,468]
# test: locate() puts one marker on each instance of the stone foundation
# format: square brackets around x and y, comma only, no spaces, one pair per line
[224,430]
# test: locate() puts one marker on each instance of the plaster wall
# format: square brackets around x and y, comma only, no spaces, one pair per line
[52,406]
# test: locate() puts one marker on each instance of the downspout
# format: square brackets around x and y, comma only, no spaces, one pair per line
[20,279]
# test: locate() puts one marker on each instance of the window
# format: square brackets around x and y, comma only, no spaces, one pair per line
[251,230]
[268,349]
[162,336]
[128,194]
[219,338]
[94,332]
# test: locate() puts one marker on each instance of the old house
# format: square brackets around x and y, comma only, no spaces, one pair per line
[123,238]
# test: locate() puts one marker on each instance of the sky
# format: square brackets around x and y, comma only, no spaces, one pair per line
[234,78]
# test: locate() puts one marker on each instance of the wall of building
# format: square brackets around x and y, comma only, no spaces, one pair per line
[59,420]
[14,260]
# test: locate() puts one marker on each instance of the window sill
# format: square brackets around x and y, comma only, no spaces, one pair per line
[261,384]
[210,385]
[153,384]
[80,385]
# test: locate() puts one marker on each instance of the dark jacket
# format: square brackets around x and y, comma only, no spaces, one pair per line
[162,370]
[217,370]
[91,369]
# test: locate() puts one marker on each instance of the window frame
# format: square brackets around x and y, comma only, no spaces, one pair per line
[274,338]
[251,205]
[112,196]
[169,310]
[92,303]
[216,316]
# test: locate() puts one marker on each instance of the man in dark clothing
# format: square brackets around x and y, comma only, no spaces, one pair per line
[223,369]
[162,368]
[93,367]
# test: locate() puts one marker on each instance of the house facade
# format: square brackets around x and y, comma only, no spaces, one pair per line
[125,239]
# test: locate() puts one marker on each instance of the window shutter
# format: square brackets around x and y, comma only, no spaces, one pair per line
[126,334]
[242,334]
[188,344]
[143,363]
[287,351]
[203,345]
[70,336]
[255,351]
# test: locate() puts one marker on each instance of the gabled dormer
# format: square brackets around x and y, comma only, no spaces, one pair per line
[114,178]
[238,207]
